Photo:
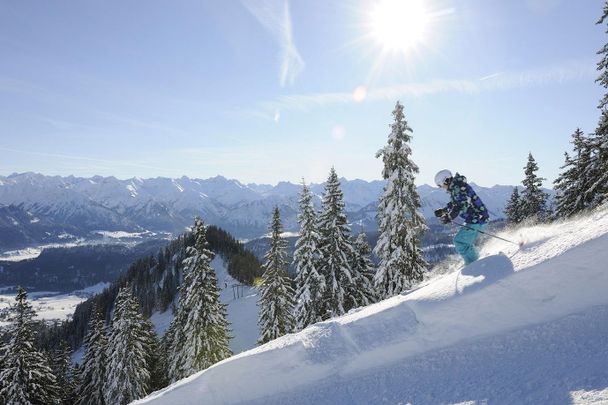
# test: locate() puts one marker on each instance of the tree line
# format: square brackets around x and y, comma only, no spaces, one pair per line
[123,357]
[582,184]
[125,360]
[334,269]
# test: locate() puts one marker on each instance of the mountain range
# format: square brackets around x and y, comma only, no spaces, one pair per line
[36,208]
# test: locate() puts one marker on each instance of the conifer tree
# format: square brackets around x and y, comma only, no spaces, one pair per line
[26,376]
[61,365]
[54,390]
[563,186]
[199,334]
[533,198]
[162,380]
[173,341]
[155,356]
[513,208]
[310,284]
[401,224]
[276,301]
[2,366]
[156,359]
[574,180]
[168,357]
[597,191]
[363,292]
[128,352]
[336,250]
[94,365]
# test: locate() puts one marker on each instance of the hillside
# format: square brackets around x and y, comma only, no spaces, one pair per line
[241,306]
[532,328]
[155,281]
[72,268]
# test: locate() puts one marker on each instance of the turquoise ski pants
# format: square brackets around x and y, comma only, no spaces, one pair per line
[464,242]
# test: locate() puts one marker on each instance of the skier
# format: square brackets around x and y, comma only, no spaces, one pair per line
[466,203]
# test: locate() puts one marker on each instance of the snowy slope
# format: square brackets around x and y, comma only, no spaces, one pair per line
[528,330]
[242,310]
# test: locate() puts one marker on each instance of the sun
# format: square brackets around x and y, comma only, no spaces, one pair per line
[399,25]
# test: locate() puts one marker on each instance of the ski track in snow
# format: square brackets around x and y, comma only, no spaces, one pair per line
[528,330]
[242,310]
[535,365]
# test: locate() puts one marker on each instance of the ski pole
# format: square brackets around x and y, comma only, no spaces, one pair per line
[485,233]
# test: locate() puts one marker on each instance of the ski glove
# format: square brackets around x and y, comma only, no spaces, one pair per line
[443,215]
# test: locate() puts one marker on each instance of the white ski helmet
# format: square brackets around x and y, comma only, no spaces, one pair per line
[442,176]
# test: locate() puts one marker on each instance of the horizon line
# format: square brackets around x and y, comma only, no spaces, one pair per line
[13,174]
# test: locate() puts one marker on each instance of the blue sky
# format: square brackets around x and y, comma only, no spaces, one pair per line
[271,90]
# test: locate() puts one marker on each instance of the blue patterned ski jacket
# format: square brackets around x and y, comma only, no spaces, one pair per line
[465,202]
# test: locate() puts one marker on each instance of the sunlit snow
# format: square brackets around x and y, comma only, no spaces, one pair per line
[515,327]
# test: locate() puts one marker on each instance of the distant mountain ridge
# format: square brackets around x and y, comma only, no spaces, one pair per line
[35,206]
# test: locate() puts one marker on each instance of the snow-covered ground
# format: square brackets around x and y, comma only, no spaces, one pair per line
[122,234]
[51,305]
[527,327]
[242,309]
[21,254]
[96,238]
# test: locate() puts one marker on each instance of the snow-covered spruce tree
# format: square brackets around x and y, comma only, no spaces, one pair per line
[157,360]
[168,357]
[574,180]
[310,284]
[128,352]
[276,301]
[563,184]
[54,390]
[597,192]
[363,291]
[335,250]
[199,333]
[63,369]
[533,198]
[513,208]
[93,370]
[2,367]
[26,376]
[401,225]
